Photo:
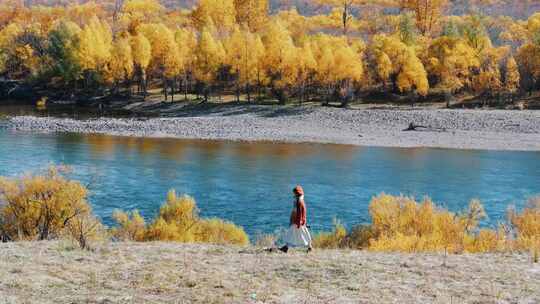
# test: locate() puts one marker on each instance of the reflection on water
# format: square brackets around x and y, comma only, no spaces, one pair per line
[250,183]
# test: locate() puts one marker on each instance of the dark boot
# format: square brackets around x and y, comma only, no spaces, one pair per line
[284,248]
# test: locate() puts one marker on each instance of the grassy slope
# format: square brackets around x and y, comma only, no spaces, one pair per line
[51,272]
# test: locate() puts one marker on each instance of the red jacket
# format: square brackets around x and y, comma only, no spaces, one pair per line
[299,216]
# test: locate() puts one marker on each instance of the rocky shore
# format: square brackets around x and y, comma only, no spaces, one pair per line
[460,129]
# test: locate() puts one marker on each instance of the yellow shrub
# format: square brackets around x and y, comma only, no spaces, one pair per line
[334,239]
[527,225]
[486,241]
[85,230]
[217,231]
[178,220]
[40,207]
[131,226]
[401,224]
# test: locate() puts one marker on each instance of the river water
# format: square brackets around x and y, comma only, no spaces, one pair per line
[250,183]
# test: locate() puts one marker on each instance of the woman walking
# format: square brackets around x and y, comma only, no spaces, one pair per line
[298,234]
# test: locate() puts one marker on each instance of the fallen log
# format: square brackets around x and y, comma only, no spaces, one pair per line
[413,127]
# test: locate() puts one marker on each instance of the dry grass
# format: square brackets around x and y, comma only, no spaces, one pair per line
[54,272]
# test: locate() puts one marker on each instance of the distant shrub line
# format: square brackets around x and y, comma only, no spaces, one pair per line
[49,206]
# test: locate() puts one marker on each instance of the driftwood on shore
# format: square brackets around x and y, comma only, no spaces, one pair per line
[414,127]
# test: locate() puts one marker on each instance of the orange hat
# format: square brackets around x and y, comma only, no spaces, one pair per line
[298,190]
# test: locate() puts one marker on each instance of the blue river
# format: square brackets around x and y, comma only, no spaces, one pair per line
[250,183]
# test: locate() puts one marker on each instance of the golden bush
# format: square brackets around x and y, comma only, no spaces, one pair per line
[131,226]
[178,220]
[40,207]
[526,225]
[86,231]
[334,239]
[401,224]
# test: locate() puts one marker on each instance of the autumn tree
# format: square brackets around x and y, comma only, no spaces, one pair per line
[141,51]
[307,64]
[489,81]
[528,55]
[135,12]
[397,62]
[187,44]
[252,13]
[121,64]
[62,49]
[166,60]
[344,9]
[451,61]
[339,66]
[243,55]
[94,48]
[280,59]
[511,76]
[427,12]
[210,56]
[210,13]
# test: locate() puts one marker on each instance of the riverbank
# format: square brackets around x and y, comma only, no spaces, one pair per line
[459,129]
[53,272]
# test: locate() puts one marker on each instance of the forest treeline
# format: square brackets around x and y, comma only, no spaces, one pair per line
[410,48]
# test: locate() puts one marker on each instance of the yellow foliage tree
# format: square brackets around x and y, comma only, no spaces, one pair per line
[339,65]
[121,64]
[135,12]
[489,80]
[398,62]
[95,43]
[166,61]
[252,13]
[187,44]
[451,60]
[280,59]
[427,12]
[141,50]
[343,11]
[210,55]
[211,12]
[511,76]
[243,54]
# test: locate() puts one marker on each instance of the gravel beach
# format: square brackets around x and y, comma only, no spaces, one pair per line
[459,129]
[154,272]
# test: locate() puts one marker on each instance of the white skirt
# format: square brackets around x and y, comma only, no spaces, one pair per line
[297,237]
